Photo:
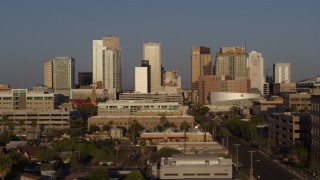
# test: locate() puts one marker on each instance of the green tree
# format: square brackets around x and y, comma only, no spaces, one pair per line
[47,155]
[5,166]
[34,125]
[4,121]
[143,148]
[106,128]
[134,130]
[299,154]
[164,121]
[94,128]
[134,175]
[224,133]
[98,174]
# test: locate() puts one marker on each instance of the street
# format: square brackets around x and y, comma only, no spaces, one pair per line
[263,167]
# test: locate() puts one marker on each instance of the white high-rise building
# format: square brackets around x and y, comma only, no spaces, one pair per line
[255,63]
[106,58]
[152,53]
[141,79]
[281,73]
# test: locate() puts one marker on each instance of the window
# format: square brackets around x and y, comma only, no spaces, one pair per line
[203,174]
[221,174]
[171,174]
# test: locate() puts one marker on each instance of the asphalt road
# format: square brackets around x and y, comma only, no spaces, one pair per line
[263,167]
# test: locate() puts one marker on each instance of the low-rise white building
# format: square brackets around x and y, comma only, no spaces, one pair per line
[195,166]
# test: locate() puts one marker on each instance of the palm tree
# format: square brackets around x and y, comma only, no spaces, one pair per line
[22,123]
[143,148]
[34,124]
[185,126]
[117,149]
[225,133]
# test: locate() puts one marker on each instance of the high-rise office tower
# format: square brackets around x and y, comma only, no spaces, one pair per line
[152,53]
[62,73]
[201,64]
[107,63]
[48,74]
[232,61]
[84,78]
[281,73]
[255,62]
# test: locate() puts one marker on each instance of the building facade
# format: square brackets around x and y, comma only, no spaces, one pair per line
[54,119]
[156,97]
[24,99]
[107,71]
[232,61]
[288,128]
[61,70]
[281,73]
[315,132]
[152,53]
[48,74]
[195,166]
[141,79]
[201,64]
[84,79]
[255,61]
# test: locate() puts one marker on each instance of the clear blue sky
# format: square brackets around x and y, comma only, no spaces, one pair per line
[33,32]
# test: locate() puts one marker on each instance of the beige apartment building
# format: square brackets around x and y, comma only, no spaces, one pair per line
[156,97]
[315,132]
[288,128]
[154,138]
[53,119]
[148,122]
[24,99]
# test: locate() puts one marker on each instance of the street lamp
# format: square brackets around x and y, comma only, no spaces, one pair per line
[237,146]
[251,170]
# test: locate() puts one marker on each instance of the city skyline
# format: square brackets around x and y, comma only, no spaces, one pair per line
[280,32]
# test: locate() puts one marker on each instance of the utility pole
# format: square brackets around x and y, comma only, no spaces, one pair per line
[251,170]
[237,146]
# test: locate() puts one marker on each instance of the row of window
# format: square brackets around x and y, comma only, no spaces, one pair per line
[196,174]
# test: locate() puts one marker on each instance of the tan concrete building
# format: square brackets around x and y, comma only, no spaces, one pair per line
[23,99]
[283,88]
[154,138]
[297,102]
[48,74]
[288,128]
[264,107]
[156,97]
[195,166]
[148,122]
[315,132]
[54,119]
[201,64]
